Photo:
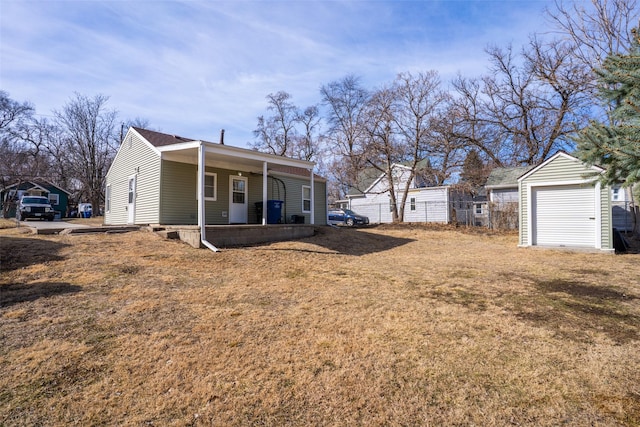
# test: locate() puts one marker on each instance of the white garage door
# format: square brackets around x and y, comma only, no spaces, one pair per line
[564,216]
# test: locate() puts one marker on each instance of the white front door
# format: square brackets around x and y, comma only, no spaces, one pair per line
[238,204]
[131,204]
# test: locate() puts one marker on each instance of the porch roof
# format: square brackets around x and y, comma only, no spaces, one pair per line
[185,150]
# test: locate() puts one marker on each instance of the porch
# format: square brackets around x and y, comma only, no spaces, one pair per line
[222,236]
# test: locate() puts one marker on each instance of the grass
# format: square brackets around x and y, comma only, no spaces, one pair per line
[383,326]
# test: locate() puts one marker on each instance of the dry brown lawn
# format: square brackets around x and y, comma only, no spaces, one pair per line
[382,326]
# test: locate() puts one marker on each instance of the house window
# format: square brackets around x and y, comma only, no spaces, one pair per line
[306,198]
[54,199]
[107,199]
[210,192]
[615,195]
[478,208]
[210,186]
[413,203]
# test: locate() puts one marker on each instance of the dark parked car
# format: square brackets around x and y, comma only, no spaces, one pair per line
[35,207]
[346,217]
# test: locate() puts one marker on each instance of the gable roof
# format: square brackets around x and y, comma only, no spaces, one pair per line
[40,183]
[365,179]
[506,177]
[158,139]
[595,168]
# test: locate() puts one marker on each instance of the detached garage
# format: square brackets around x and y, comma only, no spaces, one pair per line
[564,205]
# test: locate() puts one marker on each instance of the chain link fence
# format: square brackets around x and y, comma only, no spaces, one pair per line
[499,216]
[468,213]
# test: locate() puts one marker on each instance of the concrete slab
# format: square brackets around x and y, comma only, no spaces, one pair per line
[50,227]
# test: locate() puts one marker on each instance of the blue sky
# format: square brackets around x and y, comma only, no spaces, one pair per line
[194,67]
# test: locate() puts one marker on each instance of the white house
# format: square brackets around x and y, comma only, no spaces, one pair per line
[423,204]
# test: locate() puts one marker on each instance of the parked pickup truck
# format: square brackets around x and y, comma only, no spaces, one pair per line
[35,207]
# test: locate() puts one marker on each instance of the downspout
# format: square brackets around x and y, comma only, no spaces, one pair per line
[264,193]
[201,213]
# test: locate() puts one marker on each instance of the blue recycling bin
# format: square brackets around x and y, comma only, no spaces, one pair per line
[274,211]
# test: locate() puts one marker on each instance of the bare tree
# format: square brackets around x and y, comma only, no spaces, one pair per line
[275,133]
[16,159]
[419,104]
[401,124]
[595,28]
[346,102]
[90,142]
[383,150]
[307,143]
[527,107]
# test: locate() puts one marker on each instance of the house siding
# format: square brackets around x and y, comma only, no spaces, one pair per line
[559,171]
[279,185]
[178,204]
[179,187]
[432,205]
[504,195]
[135,157]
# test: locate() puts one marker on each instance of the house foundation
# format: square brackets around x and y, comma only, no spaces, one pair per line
[240,235]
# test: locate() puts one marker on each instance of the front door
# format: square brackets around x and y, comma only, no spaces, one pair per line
[131,205]
[238,204]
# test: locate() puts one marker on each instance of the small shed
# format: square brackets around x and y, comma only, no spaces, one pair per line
[562,204]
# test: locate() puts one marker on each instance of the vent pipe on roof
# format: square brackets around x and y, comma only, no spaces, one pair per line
[221,136]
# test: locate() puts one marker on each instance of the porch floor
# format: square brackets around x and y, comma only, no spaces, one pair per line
[223,236]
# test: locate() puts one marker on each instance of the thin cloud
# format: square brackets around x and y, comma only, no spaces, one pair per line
[194,67]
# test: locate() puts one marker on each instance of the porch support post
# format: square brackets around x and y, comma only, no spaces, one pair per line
[201,214]
[264,193]
[312,216]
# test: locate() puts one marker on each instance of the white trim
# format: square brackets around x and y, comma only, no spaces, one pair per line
[501,186]
[552,158]
[316,178]
[57,197]
[245,211]
[120,148]
[313,204]
[215,187]
[598,212]
[147,143]
[131,217]
[201,204]
[107,199]
[383,174]
[598,206]
[310,199]
[242,153]
[265,193]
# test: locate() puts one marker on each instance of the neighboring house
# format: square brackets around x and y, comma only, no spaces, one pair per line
[58,197]
[423,204]
[155,179]
[622,208]
[502,196]
[502,184]
[564,205]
